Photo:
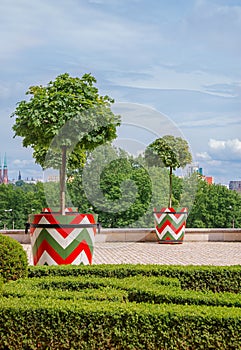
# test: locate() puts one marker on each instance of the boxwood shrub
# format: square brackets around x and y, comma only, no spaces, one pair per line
[214,278]
[13,259]
[122,307]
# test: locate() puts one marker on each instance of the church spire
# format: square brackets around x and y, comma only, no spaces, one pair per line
[5,161]
[5,170]
[1,174]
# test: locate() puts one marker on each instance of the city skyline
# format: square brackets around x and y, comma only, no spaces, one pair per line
[180,58]
[51,175]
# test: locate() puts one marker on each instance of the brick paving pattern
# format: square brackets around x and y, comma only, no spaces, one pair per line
[188,253]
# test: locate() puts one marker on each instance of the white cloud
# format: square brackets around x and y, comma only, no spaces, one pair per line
[221,160]
[23,162]
[217,144]
[178,48]
[209,120]
[215,25]
[225,149]
[203,156]
[163,50]
[214,163]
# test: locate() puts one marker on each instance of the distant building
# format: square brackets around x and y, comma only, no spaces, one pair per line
[4,171]
[235,186]
[208,179]
[30,181]
[53,178]
[194,168]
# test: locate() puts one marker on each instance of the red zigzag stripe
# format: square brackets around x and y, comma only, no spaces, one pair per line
[173,228]
[45,246]
[53,219]
[170,210]
[64,232]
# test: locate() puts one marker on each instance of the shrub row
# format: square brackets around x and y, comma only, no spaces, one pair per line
[32,323]
[122,307]
[83,287]
[155,290]
[137,312]
[213,278]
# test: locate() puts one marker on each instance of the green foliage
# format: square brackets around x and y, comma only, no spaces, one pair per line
[65,99]
[62,121]
[1,285]
[213,278]
[116,186]
[209,206]
[170,152]
[13,259]
[159,198]
[189,185]
[120,307]
[23,200]
[215,206]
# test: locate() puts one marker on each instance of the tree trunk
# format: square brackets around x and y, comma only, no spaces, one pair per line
[170,188]
[62,174]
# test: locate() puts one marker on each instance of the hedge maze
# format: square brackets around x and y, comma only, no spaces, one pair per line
[122,307]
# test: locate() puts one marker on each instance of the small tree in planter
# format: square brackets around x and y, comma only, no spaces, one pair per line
[172,153]
[42,121]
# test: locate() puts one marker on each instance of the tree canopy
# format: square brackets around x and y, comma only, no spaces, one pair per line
[215,206]
[116,186]
[63,120]
[170,152]
[210,206]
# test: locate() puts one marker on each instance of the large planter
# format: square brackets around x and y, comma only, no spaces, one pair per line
[62,239]
[170,225]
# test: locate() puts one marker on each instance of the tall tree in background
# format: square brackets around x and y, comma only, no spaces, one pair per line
[71,112]
[17,201]
[170,152]
[215,206]
[115,184]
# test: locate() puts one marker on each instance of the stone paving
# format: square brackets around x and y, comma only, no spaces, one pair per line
[188,253]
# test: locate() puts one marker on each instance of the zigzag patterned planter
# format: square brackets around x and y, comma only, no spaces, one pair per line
[62,239]
[170,225]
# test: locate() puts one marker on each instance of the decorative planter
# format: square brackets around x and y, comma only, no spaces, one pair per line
[170,225]
[62,239]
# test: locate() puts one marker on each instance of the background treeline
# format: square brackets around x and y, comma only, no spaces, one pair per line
[123,191]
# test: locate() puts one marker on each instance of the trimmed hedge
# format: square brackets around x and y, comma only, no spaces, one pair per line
[32,323]
[154,290]
[13,259]
[213,278]
[121,307]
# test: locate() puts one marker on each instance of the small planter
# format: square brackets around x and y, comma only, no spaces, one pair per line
[62,239]
[170,225]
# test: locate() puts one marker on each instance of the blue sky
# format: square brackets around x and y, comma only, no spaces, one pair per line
[180,58]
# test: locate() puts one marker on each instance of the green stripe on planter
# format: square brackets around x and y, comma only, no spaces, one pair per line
[44,234]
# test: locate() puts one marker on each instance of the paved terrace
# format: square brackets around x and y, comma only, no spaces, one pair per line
[188,253]
[140,246]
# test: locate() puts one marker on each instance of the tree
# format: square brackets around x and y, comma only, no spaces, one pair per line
[215,206]
[18,201]
[116,186]
[170,152]
[63,120]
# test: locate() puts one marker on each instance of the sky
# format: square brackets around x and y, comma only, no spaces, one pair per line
[179,59]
